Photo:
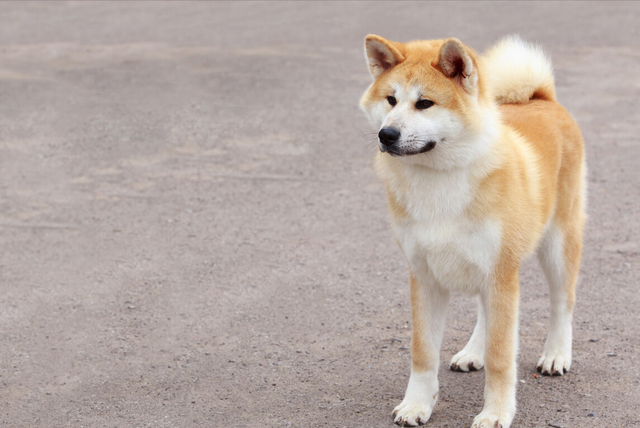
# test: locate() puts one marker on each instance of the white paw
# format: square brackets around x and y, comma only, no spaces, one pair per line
[554,363]
[487,419]
[412,414]
[467,361]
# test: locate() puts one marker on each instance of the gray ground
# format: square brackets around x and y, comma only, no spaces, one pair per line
[192,234]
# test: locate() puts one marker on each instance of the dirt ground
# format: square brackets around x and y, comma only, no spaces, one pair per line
[191,232]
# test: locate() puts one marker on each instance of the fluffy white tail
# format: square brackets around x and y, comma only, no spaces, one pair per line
[518,71]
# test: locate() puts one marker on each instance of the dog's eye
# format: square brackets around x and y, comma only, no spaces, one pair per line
[392,100]
[423,104]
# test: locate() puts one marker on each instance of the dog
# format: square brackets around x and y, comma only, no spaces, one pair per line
[481,167]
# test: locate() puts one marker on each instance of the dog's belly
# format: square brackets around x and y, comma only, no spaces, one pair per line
[459,255]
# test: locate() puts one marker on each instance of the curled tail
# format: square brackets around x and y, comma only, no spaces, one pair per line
[518,71]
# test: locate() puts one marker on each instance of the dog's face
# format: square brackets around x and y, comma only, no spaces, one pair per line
[425,101]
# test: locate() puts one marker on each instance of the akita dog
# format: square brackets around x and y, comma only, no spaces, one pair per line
[481,167]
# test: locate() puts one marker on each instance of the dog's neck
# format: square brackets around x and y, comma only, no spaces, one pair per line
[430,194]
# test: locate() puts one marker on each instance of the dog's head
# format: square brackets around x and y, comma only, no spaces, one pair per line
[428,101]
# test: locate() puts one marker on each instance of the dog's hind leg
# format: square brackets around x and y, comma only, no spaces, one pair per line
[471,357]
[559,255]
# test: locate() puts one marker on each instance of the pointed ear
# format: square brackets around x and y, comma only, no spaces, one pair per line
[455,61]
[381,54]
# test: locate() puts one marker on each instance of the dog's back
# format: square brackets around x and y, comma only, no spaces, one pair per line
[521,79]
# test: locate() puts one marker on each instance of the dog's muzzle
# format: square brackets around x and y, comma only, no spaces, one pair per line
[389,138]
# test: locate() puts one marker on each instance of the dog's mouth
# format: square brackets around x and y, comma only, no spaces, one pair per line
[394,151]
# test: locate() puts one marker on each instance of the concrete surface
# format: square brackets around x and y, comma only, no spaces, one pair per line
[192,234]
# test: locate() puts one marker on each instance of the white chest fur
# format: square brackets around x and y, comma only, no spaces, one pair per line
[438,236]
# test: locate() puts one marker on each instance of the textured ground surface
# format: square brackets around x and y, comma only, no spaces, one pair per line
[191,233]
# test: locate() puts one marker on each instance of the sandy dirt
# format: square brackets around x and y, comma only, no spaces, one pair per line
[191,232]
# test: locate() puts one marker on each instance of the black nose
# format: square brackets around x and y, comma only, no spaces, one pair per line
[389,136]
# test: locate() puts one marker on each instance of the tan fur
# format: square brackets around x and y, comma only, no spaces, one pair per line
[424,359]
[529,178]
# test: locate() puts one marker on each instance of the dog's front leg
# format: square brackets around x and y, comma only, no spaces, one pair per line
[501,311]
[429,308]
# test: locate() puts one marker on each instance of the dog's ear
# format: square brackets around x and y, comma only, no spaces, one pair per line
[456,62]
[381,54]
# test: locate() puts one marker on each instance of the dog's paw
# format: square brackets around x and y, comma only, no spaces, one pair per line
[412,414]
[487,419]
[554,363]
[467,361]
